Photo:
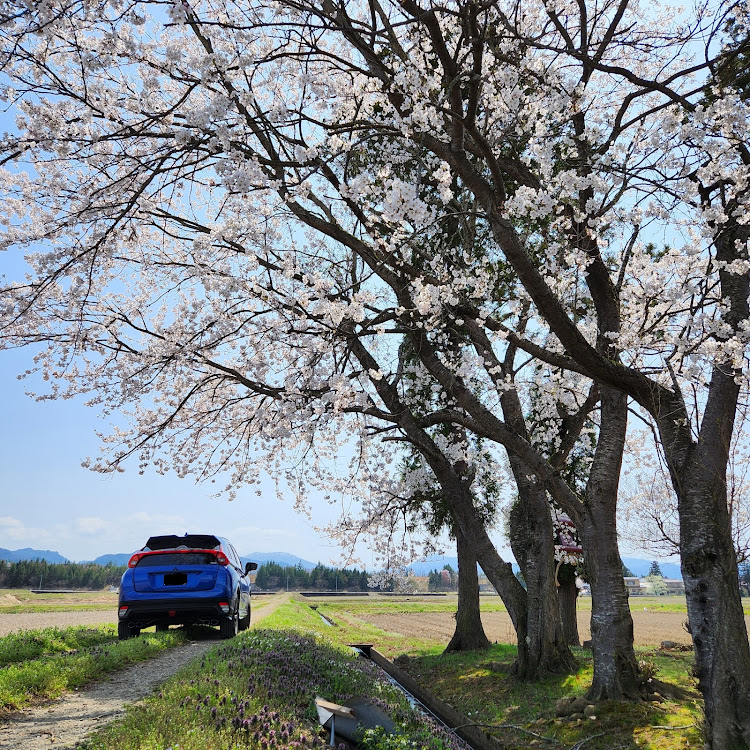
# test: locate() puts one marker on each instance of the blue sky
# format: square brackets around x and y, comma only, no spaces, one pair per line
[49,501]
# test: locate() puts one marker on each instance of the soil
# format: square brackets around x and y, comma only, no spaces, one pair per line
[65,722]
[650,628]
[12,623]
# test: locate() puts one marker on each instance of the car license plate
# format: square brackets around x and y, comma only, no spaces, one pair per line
[175,579]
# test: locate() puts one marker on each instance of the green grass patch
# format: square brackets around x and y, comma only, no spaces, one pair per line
[28,682]
[258,691]
[31,644]
[482,687]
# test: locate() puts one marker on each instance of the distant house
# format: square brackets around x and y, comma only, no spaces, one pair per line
[675,585]
[646,587]
[634,586]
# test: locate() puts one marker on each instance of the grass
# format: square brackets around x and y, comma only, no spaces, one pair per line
[43,664]
[32,644]
[480,686]
[258,691]
[258,678]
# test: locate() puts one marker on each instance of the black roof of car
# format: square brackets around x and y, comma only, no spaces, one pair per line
[192,541]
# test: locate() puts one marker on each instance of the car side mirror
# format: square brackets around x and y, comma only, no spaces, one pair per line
[249,567]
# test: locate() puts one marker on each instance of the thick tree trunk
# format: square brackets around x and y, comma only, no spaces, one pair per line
[709,563]
[717,625]
[567,595]
[535,655]
[533,546]
[469,634]
[616,673]
[531,538]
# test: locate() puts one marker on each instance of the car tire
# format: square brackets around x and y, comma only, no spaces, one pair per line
[228,628]
[124,631]
[245,621]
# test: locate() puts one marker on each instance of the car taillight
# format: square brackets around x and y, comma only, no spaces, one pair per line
[122,612]
[221,558]
[224,607]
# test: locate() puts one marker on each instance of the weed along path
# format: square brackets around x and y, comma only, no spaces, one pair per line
[66,721]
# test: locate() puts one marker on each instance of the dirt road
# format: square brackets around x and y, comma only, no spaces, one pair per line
[68,720]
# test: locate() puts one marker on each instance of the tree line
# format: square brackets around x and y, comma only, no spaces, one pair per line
[272,576]
[41,574]
[445,579]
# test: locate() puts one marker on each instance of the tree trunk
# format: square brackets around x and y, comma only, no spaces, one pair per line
[567,595]
[616,673]
[717,625]
[709,562]
[536,655]
[531,538]
[533,546]
[469,634]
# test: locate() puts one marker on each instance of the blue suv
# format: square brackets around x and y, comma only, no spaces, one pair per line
[196,579]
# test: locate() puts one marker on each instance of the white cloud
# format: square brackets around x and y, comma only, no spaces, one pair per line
[174,522]
[93,526]
[19,532]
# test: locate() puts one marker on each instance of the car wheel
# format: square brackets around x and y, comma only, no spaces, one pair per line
[123,631]
[245,621]
[228,628]
[162,628]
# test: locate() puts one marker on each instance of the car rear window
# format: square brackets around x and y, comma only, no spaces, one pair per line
[177,558]
[197,541]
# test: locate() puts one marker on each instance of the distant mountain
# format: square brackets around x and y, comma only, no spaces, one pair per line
[27,553]
[639,566]
[282,558]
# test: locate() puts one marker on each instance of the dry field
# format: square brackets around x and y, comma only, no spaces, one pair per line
[650,627]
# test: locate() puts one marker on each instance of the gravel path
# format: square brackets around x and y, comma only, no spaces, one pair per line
[65,722]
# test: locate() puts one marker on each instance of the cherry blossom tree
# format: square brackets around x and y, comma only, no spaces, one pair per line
[151,436]
[250,345]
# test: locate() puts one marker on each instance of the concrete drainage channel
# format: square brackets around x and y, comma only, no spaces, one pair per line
[425,701]
[443,712]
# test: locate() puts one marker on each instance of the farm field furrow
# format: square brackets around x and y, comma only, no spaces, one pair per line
[650,628]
